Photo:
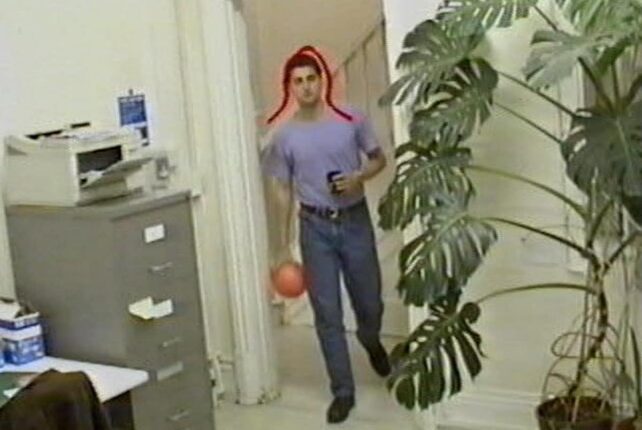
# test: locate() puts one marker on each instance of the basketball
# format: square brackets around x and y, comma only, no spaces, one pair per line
[289,280]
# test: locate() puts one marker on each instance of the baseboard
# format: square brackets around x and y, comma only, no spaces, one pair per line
[486,409]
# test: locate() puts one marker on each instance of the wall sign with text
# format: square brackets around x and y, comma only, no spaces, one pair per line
[133,115]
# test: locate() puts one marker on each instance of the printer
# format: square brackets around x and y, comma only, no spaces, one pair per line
[72,167]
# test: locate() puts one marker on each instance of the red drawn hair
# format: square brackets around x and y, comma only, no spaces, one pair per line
[310,57]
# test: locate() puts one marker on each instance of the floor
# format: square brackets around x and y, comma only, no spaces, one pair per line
[305,394]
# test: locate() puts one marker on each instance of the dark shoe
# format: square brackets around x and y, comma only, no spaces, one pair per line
[379,360]
[340,409]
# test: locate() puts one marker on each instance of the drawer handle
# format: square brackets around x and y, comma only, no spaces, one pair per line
[171,342]
[180,416]
[170,371]
[161,269]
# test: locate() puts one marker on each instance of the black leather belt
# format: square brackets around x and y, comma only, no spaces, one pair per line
[332,214]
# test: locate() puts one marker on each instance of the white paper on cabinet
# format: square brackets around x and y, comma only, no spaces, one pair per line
[146,309]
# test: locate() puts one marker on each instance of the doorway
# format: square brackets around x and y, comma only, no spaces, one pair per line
[359,61]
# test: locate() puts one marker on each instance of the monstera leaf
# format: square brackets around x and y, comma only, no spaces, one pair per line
[444,255]
[556,54]
[622,19]
[468,16]
[462,104]
[591,16]
[431,55]
[429,365]
[606,147]
[430,172]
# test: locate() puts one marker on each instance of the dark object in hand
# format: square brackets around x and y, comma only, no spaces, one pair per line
[332,177]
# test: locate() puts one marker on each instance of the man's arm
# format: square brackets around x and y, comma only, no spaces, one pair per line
[376,163]
[353,183]
[284,197]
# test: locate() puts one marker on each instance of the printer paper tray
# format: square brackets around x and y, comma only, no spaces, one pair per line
[115,172]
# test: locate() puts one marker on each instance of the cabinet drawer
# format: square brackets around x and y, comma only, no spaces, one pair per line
[192,403]
[195,410]
[159,269]
[143,229]
[155,343]
[191,415]
[183,292]
[187,420]
[180,401]
[171,253]
[158,274]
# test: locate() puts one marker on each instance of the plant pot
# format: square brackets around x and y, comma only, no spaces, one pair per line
[628,424]
[555,414]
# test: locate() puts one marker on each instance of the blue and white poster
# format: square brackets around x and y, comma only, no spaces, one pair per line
[133,115]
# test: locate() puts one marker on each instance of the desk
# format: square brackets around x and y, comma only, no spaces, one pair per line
[109,381]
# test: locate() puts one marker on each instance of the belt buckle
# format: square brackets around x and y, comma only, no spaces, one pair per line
[333,214]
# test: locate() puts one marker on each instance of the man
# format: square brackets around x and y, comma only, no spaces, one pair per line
[317,155]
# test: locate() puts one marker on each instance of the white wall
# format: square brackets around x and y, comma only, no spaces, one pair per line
[69,61]
[400,20]
[517,330]
[63,62]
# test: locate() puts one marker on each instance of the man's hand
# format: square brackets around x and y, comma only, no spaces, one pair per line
[353,183]
[350,184]
[283,256]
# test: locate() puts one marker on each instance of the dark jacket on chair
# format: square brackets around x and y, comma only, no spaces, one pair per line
[55,401]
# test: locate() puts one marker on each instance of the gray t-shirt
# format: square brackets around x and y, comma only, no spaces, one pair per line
[303,153]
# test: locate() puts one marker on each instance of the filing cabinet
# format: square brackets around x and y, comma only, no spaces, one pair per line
[84,267]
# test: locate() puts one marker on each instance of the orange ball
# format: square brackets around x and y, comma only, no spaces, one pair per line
[288,280]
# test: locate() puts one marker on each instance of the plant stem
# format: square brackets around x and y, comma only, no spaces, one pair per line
[546,18]
[598,222]
[584,331]
[576,287]
[625,244]
[632,92]
[637,367]
[544,96]
[572,203]
[599,89]
[598,339]
[531,123]
[588,254]
[616,82]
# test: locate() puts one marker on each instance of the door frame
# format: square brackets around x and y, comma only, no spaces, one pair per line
[223,153]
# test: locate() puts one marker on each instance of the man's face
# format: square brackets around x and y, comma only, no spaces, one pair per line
[306,85]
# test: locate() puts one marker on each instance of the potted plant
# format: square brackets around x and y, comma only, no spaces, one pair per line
[449,88]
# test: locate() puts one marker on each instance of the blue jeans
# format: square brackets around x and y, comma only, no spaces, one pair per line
[345,246]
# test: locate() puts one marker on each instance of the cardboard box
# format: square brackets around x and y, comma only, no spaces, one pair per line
[20,332]
[23,345]
[20,322]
